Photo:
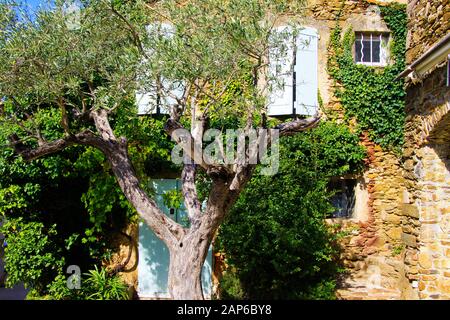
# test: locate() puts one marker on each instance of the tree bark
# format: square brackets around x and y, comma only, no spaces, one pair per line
[185,268]
[188,257]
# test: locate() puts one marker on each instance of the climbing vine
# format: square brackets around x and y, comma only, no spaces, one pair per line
[371,94]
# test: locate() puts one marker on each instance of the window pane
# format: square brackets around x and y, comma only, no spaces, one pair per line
[344,198]
[358,54]
[376,50]
[366,51]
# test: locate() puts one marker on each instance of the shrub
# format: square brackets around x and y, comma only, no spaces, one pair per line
[275,236]
[97,284]
[30,257]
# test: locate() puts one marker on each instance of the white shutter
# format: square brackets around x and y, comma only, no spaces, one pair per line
[281,90]
[148,102]
[306,72]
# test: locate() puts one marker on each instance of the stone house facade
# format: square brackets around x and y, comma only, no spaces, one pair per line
[426,158]
[397,243]
[402,250]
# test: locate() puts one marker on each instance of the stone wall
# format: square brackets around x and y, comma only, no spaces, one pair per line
[374,249]
[403,250]
[427,157]
[429,21]
[324,16]
[427,165]
[126,256]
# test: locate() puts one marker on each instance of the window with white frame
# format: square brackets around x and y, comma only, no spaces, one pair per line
[371,48]
[295,76]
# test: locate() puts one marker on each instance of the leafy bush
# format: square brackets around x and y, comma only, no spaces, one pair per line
[30,257]
[68,204]
[275,236]
[96,285]
[230,286]
[101,286]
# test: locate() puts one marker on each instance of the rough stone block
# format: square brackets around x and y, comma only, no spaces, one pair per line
[425,260]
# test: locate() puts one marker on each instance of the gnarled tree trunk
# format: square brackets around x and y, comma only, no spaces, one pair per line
[185,270]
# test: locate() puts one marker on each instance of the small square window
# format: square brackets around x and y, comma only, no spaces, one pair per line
[371,48]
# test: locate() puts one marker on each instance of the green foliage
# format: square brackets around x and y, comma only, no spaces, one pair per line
[230,286]
[102,286]
[73,192]
[397,250]
[281,247]
[371,94]
[96,284]
[173,199]
[30,256]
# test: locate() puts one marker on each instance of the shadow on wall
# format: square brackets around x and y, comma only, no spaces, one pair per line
[440,140]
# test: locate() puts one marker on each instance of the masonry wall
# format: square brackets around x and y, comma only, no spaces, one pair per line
[402,250]
[427,165]
[429,21]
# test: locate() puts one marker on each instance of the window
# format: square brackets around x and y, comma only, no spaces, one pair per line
[344,198]
[296,74]
[371,48]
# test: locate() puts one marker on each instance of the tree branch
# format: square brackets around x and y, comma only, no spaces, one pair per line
[185,140]
[134,33]
[298,125]
[165,228]
[116,152]
[85,138]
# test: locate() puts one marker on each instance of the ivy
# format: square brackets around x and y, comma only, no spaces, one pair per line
[370,94]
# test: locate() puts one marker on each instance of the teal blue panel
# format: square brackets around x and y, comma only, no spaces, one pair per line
[153,266]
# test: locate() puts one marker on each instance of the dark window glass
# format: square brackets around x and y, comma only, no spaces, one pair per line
[376,49]
[366,51]
[344,198]
[369,47]
[358,53]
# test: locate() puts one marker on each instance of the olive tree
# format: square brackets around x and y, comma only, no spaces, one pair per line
[86,64]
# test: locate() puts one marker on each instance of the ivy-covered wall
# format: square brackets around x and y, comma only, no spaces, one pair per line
[371,103]
[371,95]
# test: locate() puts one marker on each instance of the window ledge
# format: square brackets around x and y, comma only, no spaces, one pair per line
[372,64]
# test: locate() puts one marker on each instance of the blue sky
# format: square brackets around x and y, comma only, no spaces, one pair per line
[34,4]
